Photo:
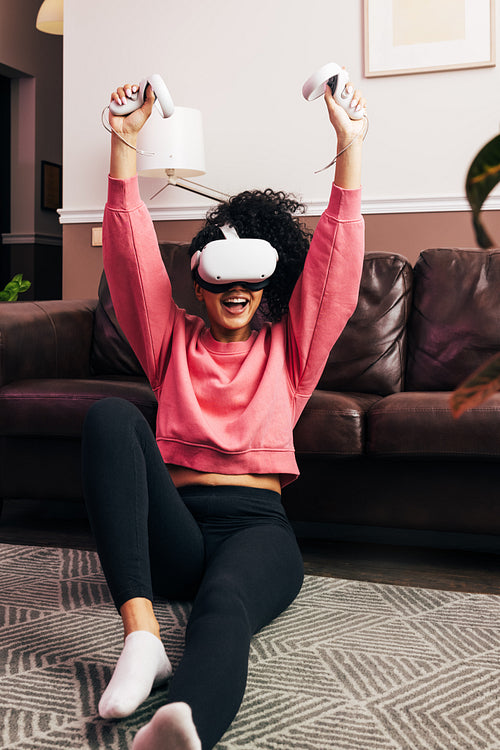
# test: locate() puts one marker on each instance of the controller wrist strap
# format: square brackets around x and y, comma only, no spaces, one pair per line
[362,134]
[107,126]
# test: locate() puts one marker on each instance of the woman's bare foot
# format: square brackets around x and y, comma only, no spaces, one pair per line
[171,728]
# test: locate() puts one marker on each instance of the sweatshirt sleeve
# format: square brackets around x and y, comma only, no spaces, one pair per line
[138,281]
[326,292]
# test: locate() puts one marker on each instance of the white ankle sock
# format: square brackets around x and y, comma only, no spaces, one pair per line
[171,727]
[143,664]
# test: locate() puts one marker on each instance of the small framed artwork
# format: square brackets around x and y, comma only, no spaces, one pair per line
[51,193]
[424,36]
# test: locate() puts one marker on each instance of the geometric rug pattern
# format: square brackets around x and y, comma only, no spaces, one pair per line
[349,666]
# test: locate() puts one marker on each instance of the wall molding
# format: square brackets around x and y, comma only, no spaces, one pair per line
[439,204]
[32,239]
[165,213]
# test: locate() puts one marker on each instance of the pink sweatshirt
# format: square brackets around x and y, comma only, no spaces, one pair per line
[230,408]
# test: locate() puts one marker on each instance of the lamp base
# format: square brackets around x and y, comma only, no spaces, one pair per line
[193,187]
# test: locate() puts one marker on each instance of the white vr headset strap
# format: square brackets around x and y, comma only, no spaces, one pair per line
[229,232]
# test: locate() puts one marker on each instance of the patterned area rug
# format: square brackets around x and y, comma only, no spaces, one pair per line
[349,666]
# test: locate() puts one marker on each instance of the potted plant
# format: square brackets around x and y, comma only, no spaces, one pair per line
[482,177]
[14,288]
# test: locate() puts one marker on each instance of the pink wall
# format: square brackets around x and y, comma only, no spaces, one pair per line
[406,234]
[409,234]
[82,263]
[33,61]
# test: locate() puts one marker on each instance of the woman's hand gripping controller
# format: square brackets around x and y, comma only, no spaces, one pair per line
[136,96]
[346,105]
[337,79]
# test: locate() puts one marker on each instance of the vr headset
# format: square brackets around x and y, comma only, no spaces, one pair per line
[223,263]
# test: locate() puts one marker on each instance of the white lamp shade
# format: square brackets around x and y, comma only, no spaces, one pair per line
[176,144]
[50,18]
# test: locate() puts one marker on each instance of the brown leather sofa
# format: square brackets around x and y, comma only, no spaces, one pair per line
[377,445]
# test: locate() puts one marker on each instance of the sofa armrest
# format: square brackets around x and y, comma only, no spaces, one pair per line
[49,339]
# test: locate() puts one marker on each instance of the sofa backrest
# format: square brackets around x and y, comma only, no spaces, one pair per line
[111,352]
[455,322]
[45,339]
[368,357]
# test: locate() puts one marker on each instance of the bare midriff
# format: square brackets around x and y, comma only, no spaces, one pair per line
[182,476]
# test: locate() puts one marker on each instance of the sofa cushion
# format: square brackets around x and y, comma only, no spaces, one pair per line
[111,353]
[369,356]
[57,407]
[333,424]
[421,425]
[454,325]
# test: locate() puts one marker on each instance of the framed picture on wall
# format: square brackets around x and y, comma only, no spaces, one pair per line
[424,36]
[51,193]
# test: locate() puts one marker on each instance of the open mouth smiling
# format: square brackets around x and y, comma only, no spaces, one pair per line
[235,303]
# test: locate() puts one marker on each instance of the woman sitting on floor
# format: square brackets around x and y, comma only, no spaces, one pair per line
[196,513]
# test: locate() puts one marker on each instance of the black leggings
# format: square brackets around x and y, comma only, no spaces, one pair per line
[230,549]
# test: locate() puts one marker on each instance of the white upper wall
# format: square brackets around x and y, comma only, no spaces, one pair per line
[243,65]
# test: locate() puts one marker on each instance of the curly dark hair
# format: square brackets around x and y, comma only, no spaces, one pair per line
[271,216]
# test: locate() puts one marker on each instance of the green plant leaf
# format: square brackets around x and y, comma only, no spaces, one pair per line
[482,177]
[482,384]
[9,295]
[14,287]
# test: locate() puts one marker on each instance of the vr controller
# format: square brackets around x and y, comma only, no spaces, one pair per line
[136,101]
[336,78]
[222,263]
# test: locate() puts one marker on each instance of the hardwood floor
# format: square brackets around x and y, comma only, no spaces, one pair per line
[424,567]
[65,524]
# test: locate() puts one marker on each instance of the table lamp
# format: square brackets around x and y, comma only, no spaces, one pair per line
[173,148]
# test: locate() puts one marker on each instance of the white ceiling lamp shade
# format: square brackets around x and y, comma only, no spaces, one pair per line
[50,18]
